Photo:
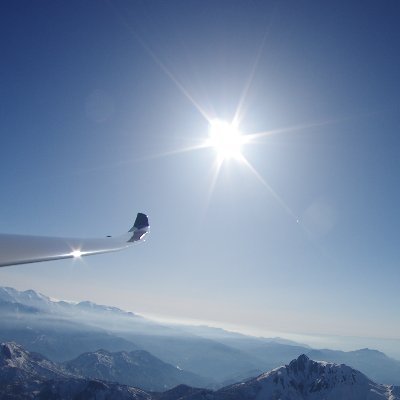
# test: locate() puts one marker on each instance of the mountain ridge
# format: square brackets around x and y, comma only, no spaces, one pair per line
[35,378]
[64,330]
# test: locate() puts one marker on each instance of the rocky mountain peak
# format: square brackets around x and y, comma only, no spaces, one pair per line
[10,351]
[299,364]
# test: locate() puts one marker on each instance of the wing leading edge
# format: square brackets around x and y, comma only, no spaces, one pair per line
[21,249]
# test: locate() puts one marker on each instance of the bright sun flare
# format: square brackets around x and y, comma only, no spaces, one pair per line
[76,254]
[226,139]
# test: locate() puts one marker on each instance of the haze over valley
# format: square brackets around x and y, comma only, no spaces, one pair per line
[105,342]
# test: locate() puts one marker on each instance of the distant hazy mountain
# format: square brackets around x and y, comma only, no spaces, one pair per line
[136,368]
[375,364]
[224,335]
[53,328]
[205,357]
[57,338]
[30,376]
[63,330]
[43,303]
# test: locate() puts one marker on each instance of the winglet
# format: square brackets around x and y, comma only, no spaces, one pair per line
[140,228]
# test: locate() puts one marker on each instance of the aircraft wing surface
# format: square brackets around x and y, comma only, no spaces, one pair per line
[22,249]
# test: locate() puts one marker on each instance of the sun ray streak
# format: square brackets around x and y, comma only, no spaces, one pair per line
[158,61]
[294,128]
[175,152]
[123,163]
[216,170]
[238,113]
[270,189]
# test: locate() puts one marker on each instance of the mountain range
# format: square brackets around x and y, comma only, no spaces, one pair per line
[64,331]
[25,375]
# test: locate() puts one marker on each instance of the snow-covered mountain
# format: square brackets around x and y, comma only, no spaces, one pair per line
[304,379]
[17,364]
[25,375]
[301,379]
[39,301]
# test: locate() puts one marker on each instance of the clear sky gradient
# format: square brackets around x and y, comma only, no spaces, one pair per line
[98,97]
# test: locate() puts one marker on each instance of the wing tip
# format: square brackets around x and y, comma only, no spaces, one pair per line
[140,228]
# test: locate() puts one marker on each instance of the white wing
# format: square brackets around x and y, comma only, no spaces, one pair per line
[21,249]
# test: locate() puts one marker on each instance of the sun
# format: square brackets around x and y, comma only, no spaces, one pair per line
[226,139]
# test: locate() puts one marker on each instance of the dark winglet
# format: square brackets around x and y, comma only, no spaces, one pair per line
[141,222]
[139,228]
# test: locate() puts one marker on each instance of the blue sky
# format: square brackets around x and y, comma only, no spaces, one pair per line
[94,92]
